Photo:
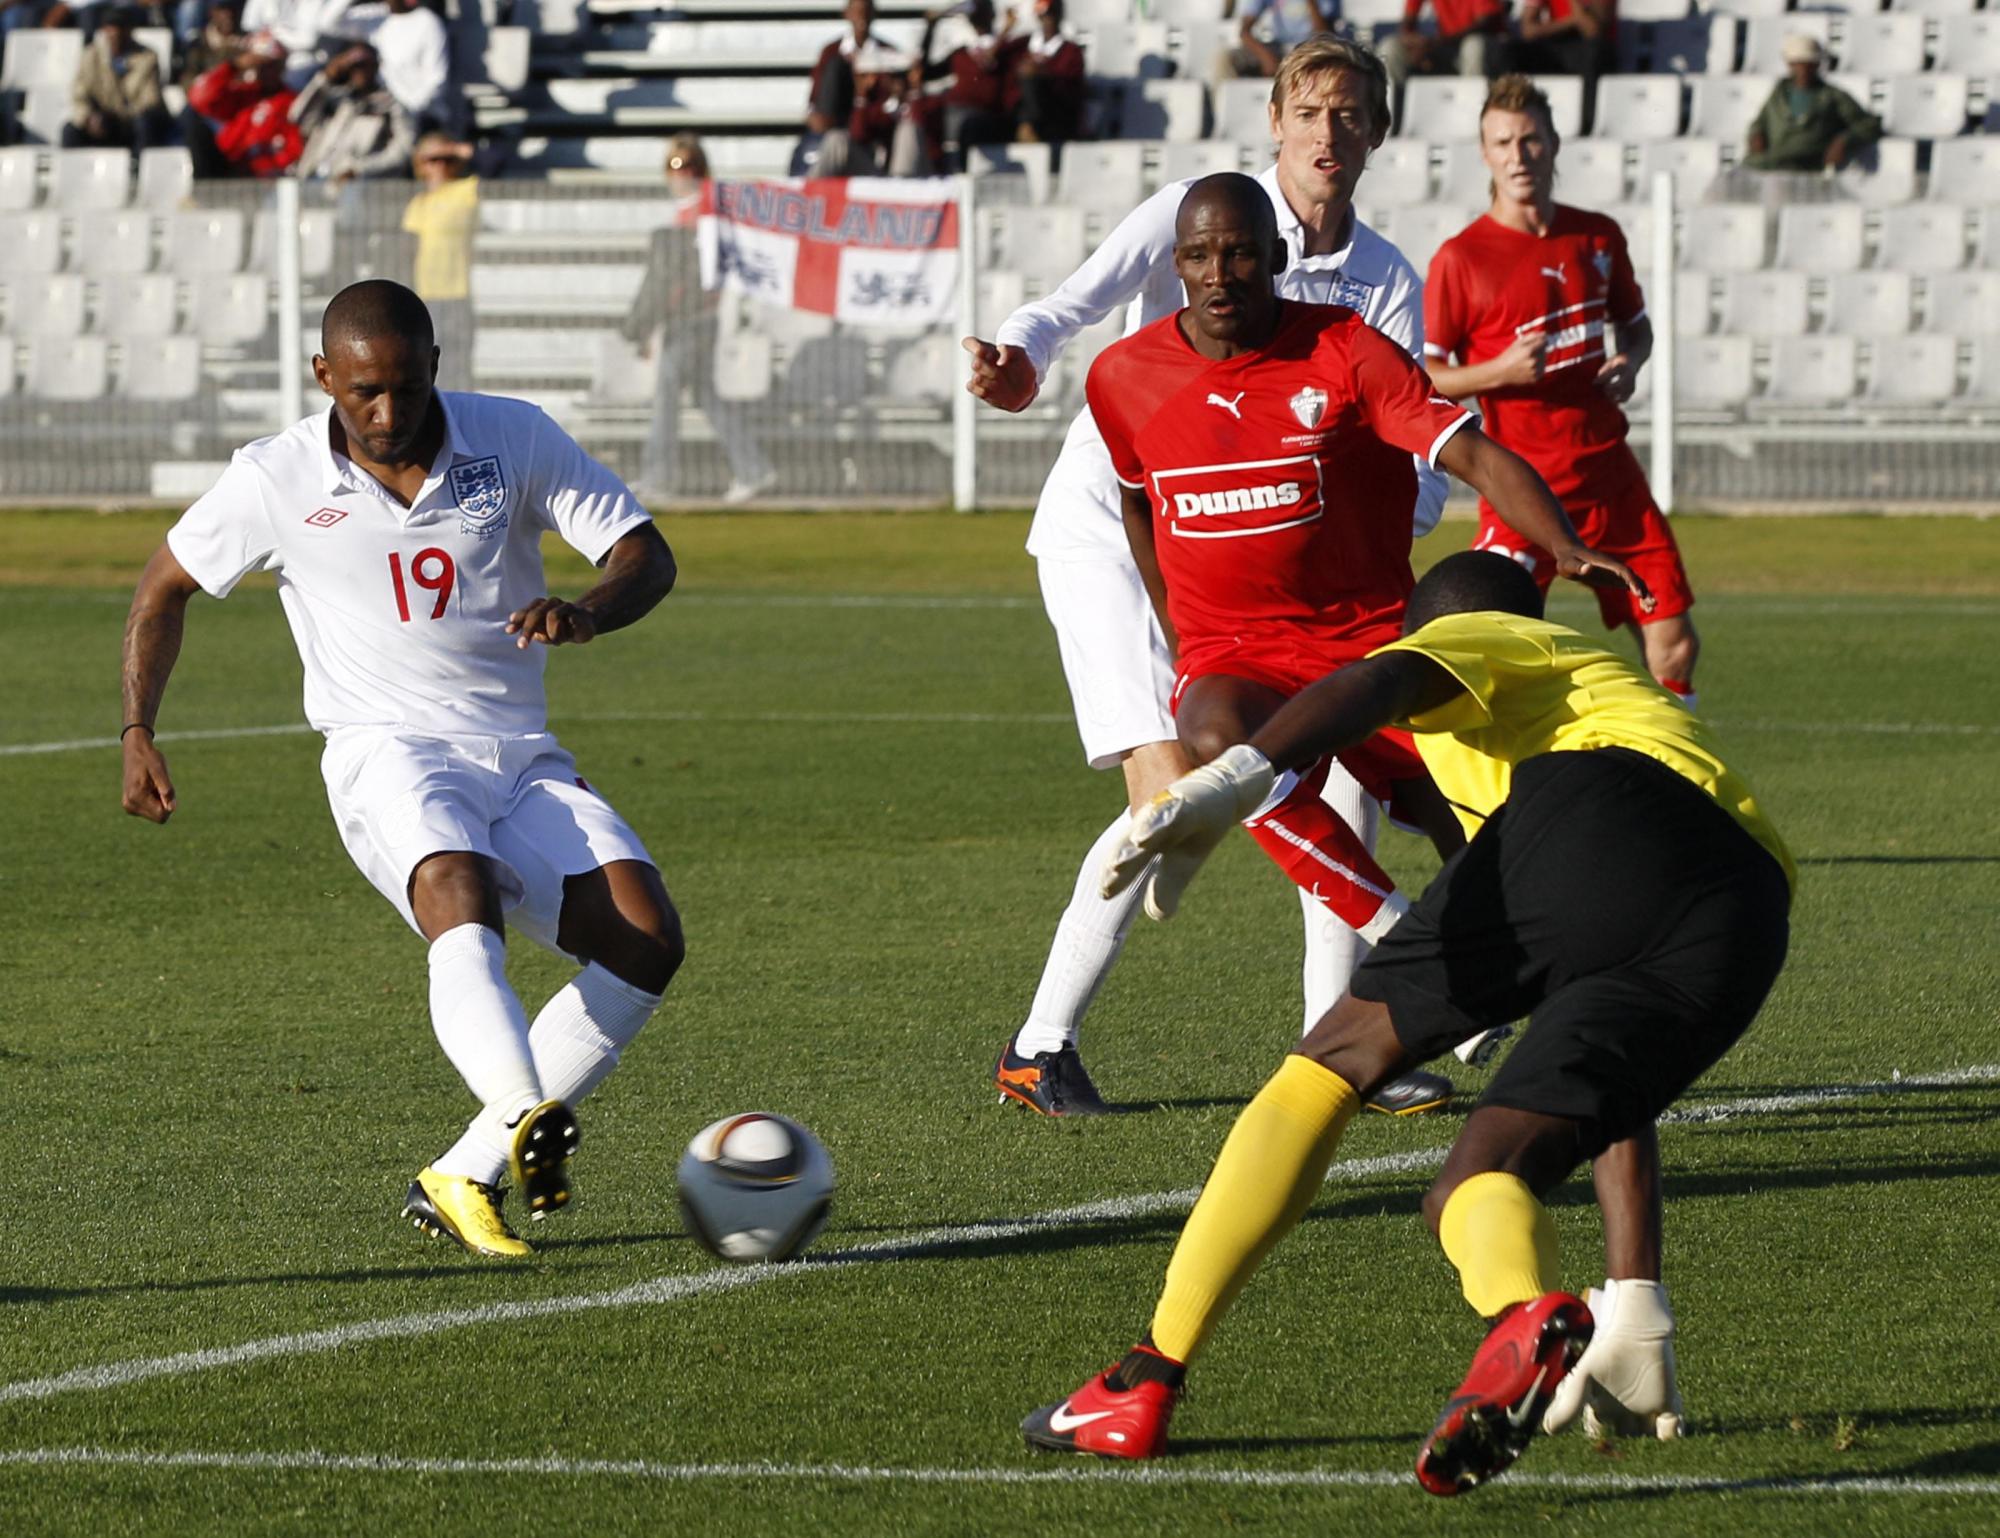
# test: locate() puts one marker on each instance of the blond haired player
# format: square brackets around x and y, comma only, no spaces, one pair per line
[1329,109]
[1523,309]
[404,524]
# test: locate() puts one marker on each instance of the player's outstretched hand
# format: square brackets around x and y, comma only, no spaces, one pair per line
[1623,1385]
[1001,376]
[1580,563]
[149,789]
[1181,826]
[1617,379]
[553,622]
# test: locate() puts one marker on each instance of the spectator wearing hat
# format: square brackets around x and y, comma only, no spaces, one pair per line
[443,216]
[1267,30]
[1045,78]
[115,100]
[353,125]
[238,119]
[1808,123]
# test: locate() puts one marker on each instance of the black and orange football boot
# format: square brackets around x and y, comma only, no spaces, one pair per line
[1053,1083]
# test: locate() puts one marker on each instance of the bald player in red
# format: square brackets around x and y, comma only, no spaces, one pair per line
[1263,447]
[1522,309]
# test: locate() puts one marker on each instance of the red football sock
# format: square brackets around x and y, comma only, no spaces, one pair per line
[1326,857]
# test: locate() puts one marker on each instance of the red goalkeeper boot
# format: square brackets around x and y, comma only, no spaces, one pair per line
[1120,1413]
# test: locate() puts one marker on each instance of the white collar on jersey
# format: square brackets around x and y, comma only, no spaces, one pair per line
[341,474]
[1292,229]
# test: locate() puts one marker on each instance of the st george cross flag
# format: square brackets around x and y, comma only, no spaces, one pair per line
[868,251]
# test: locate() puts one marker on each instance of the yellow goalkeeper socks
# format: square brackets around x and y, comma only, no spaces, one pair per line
[1501,1239]
[1275,1160]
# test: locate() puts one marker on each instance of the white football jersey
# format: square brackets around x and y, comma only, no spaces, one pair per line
[400,614]
[1078,515]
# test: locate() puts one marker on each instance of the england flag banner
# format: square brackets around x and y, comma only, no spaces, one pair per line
[869,251]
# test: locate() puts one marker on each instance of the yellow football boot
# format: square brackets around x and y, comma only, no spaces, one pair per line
[455,1207]
[544,1140]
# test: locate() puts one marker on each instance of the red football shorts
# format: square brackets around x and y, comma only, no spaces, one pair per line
[1628,526]
[1285,664]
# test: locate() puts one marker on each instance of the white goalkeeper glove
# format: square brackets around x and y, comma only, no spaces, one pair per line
[1184,822]
[1624,1383]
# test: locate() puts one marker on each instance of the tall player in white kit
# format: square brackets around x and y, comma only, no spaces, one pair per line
[404,525]
[1329,109]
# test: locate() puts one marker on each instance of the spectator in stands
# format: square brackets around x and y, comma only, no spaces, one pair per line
[972,109]
[1471,38]
[16,15]
[415,54]
[443,217]
[675,320]
[1045,78]
[1267,30]
[855,97]
[1808,123]
[1566,37]
[352,124]
[115,99]
[238,120]
[219,39]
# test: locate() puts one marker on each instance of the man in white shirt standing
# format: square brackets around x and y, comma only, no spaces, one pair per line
[1329,109]
[404,525]
[416,60]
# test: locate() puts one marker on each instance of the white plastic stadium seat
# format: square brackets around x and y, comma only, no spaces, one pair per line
[1811,371]
[1591,172]
[1868,303]
[45,306]
[1045,243]
[1125,50]
[1885,42]
[1964,304]
[1713,373]
[1242,111]
[1724,237]
[1982,384]
[1986,253]
[20,177]
[1764,39]
[1182,13]
[166,368]
[1106,176]
[927,369]
[86,180]
[1971,42]
[1912,370]
[9,367]
[33,244]
[1926,106]
[1636,220]
[161,41]
[1399,174]
[1935,7]
[1965,170]
[1441,107]
[1565,94]
[117,242]
[1693,303]
[1694,163]
[231,310]
[1753,7]
[1819,237]
[1637,108]
[40,56]
[1085,14]
[1922,237]
[1723,106]
[142,305]
[505,60]
[42,113]
[166,177]
[1420,231]
[1881,173]
[204,241]
[620,377]
[71,370]
[1164,109]
[1199,157]
[1464,177]
[1652,10]
[1763,304]
[743,368]
[1193,53]
[999,295]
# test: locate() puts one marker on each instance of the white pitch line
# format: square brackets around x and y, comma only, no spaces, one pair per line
[1145,1475]
[668,1289]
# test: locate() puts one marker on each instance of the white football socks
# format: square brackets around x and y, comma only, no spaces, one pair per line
[1333,950]
[484,1031]
[1088,939]
[581,1031]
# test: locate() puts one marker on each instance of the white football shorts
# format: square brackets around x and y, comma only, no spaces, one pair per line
[1114,655]
[398,798]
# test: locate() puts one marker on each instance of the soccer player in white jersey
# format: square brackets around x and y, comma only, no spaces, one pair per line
[1329,109]
[404,524]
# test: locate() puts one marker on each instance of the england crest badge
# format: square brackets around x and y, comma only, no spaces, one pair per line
[1353,293]
[1309,405]
[481,493]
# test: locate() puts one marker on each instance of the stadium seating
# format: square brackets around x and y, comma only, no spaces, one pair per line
[33,244]
[1694,165]
[205,241]
[1724,237]
[77,369]
[139,305]
[1869,303]
[1811,371]
[86,180]
[166,179]
[1399,173]
[1164,109]
[1593,172]
[1713,373]
[116,242]
[20,178]
[1912,370]
[1762,304]
[1963,303]
[1637,108]
[1922,237]
[161,369]
[1819,237]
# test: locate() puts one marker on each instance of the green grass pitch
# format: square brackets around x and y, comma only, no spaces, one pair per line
[218,1078]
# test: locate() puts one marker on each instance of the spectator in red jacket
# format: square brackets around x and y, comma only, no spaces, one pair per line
[237,122]
[1471,40]
[855,96]
[972,109]
[1045,78]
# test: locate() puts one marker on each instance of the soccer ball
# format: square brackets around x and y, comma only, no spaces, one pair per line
[755,1187]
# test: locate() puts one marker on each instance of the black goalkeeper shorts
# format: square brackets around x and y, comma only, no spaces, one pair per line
[1632,920]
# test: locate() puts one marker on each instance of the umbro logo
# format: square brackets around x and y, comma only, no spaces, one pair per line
[1234,407]
[1555,272]
[325,518]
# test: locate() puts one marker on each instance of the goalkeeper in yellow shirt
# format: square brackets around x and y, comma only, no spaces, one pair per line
[1621,889]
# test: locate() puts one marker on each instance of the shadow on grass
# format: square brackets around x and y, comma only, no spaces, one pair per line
[1187,1446]
[1981,1458]
[1899,859]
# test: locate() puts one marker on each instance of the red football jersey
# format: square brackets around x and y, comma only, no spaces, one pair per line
[1489,284]
[1280,479]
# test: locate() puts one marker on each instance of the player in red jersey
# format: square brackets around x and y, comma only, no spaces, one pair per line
[1528,299]
[1264,450]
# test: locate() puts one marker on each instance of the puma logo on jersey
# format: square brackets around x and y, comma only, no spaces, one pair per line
[1237,499]
[1233,407]
[1555,272]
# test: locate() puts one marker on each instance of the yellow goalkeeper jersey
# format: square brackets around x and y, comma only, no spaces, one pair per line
[1532,687]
